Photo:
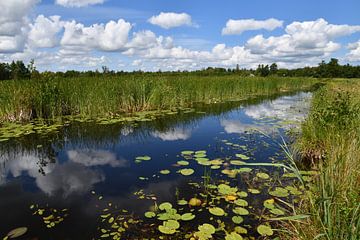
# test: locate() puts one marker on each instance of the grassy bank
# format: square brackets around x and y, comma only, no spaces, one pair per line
[331,142]
[52,97]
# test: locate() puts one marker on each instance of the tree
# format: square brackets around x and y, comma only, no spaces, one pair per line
[273,69]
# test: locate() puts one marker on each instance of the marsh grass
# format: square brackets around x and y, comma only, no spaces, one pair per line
[51,97]
[331,140]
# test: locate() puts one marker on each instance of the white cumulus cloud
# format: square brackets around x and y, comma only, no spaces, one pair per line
[170,20]
[14,24]
[78,3]
[43,32]
[239,26]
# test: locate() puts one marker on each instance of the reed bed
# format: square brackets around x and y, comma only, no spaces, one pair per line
[50,97]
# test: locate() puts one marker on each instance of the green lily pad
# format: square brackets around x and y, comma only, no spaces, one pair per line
[143,158]
[187,152]
[264,230]
[241,211]
[217,211]
[187,217]
[279,192]
[237,219]
[150,214]
[207,228]
[17,232]
[165,206]
[183,163]
[233,236]
[241,202]
[166,230]
[244,170]
[253,191]
[165,172]
[263,175]
[187,171]
[182,202]
[277,211]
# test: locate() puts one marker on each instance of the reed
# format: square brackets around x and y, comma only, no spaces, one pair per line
[331,141]
[50,97]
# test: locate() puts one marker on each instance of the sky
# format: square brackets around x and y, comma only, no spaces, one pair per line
[154,35]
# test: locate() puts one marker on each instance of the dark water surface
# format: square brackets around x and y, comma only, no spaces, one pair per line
[60,170]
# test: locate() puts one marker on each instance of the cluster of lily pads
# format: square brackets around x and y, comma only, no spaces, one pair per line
[50,216]
[222,208]
[9,130]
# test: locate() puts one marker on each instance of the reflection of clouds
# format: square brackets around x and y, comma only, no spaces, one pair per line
[288,108]
[235,126]
[17,164]
[74,176]
[173,134]
[90,157]
[69,178]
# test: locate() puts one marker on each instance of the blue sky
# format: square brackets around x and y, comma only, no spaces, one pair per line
[187,35]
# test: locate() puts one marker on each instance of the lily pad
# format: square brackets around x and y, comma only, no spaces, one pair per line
[17,232]
[165,206]
[183,163]
[207,228]
[241,203]
[264,230]
[150,214]
[187,152]
[217,211]
[237,219]
[165,172]
[241,211]
[279,192]
[143,158]
[187,171]
[187,217]
[263,175]
[233,236]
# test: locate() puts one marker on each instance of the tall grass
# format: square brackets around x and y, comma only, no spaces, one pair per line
[331,139]
[51,97]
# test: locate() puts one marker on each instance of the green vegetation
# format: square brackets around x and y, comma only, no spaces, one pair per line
[50,97]
[330,141]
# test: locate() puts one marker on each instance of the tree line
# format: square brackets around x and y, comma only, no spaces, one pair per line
[332,69]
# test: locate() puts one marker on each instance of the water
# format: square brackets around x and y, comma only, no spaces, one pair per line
[60,170]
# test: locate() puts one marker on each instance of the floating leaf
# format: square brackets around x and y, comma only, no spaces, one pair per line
[17,232]
[187,171]
[241,211]
[253,191]
[263,175]
[217,211]
[241,202]
[150,214]
[165,206]
[165,172]
[237,219]
[233,236]
[182,202]
[279,192]
[143,158]
[183,163]
[207,228]
[187,152]
[187,217]
[264,230]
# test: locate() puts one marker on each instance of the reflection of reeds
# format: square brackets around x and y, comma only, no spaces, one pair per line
[331,141]
[52,97]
